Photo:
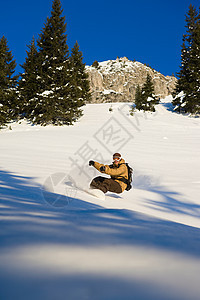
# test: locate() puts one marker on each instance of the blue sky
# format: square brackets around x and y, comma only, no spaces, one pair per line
[147,31]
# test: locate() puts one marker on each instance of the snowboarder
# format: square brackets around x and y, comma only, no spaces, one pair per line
[118,172]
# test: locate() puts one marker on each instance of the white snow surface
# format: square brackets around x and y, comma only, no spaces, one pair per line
[58,242]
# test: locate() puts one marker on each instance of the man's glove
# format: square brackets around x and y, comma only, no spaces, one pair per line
[102,169]
[91,163]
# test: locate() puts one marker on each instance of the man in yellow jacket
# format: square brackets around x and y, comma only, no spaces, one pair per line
[118,172]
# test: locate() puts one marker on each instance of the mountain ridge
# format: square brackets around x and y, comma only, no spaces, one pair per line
[116,80]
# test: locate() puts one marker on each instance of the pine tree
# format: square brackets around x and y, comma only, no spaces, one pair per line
[138,98]
[187,93]
[8,94]
[4,118]
[30,82]
[96,64]
[80,88]
[148,97]
[54,103]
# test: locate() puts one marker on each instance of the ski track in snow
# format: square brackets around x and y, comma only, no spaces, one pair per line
[58,242]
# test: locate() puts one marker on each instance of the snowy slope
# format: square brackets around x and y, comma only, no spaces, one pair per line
[58,242]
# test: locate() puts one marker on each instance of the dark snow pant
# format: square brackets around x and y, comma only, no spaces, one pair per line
[106,184]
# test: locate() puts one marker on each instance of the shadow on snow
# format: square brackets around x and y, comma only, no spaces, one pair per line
[171,201]
[26,219]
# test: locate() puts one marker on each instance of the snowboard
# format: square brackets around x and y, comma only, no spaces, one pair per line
[99,194]
[93,192]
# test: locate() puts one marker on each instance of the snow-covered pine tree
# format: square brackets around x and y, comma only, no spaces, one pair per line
[138,98]
[182,84]
[54,103]
[148,97]
[187,93]
[29,84]
[80,87]
[3,114]
[8,93]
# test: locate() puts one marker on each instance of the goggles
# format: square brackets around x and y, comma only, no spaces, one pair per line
[116,158]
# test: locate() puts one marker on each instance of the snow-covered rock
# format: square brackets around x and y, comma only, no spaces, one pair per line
[122,76]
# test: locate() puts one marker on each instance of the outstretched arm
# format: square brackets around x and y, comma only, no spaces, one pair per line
[97,165]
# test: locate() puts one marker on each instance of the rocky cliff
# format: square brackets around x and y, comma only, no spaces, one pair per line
[116,80]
